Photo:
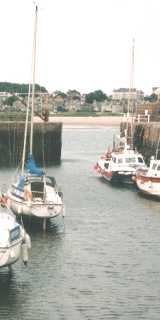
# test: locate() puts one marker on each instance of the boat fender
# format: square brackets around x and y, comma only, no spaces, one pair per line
[24,253]
[28,195]
[3,201]
[64,212]
[60,193]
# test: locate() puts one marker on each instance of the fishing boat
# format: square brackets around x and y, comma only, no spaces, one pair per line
[14,241]
[33,193]
[120,165]
[148,180]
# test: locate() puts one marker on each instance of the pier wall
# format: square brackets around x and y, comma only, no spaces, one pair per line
[47,143]
[146,138]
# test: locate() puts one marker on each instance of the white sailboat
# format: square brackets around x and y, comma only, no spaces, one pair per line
[14,241]
[34,193]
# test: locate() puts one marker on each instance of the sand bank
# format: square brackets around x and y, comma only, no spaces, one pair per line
[85,121]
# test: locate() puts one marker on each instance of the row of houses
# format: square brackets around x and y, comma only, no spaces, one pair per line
[122,100]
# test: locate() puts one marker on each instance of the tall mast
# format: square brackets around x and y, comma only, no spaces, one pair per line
[130,98]
[33,77]
[29,95]
[131,87]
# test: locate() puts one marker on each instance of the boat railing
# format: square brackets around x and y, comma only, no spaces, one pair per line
[38,194]
[142,118]
[136,118]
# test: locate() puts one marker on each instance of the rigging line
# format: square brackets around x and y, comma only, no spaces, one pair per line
[9,143]
[19,144]
[43,142]
[26,129]
[13,148]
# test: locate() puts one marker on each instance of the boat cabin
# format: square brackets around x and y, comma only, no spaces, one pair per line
[154,168]
[132,159]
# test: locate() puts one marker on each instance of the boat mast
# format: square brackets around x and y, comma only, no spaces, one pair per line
[130,98]
[33,78]
[29,95]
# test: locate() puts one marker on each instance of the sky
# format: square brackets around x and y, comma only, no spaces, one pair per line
[82,44]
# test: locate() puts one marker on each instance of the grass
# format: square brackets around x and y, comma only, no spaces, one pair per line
[84,114]
[20,116]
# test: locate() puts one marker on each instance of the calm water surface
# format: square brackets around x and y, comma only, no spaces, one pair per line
[104,263]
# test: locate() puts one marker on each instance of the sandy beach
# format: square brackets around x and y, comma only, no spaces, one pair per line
[85,121]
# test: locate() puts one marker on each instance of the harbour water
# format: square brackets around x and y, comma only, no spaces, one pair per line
[104,263]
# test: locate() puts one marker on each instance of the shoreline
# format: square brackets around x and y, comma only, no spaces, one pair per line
[85,121]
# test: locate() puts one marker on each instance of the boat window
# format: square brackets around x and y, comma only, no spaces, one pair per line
[120,160]
[106,165]
[51,181]
[140,160]
[114,159]
[37,188]
[130,160]
[15,234]
[158,168]
[154,166]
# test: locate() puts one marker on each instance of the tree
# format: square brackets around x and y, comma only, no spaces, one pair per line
[60,93]
[74,94]
[152,98]
[19,88]
[9,101]
[97,95]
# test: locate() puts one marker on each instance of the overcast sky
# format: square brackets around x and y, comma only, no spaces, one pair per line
[82,44]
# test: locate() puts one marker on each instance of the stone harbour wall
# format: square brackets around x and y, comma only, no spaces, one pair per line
[47,143]
[146,138]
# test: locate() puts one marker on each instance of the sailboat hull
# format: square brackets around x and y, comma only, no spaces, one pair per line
[37,209]
[9,256]
[39,198]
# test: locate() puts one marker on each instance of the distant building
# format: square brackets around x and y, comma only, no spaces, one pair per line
[126,94]
[83,98]
[156,90]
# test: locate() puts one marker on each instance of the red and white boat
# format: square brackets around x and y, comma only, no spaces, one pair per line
[120,166]
[148,181]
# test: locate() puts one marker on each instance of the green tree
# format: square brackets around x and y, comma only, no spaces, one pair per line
[97,95]
[60,93]
[152,98]
[74,94]
[19,88]
[9,101]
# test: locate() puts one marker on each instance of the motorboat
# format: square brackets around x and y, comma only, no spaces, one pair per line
[120,165]
[148,180]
